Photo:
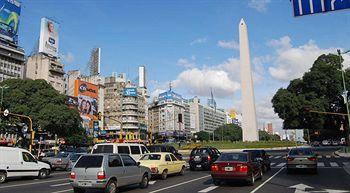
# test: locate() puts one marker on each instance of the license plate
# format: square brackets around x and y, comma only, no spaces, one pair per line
[198,166]
[228,169]
[300,166]
[84,184]
[197,158]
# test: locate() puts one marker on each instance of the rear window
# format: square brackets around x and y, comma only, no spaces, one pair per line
[75,157]
[123,149]
[135,150]
[89,162]
[233,157]
[62,155]
[151,157]
[301,152]
[103,149]
[199,151]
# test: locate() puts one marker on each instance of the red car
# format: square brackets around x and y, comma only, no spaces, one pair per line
[236,166]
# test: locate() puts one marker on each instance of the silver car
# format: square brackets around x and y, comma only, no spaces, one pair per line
[107,172]
[301,159]
[59,161]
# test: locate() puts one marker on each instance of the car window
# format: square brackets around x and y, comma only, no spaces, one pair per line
[103,149]
[172,149]
[144,150]
[167,158]
[62,155]
[114,161]
[173,157]
[233,157]
[135,150]
[94,161]
[128,161]
[123,149]
[301,152]
[151,157]
[75,157]
[27,157]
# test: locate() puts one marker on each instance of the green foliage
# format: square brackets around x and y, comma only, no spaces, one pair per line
[229,132]
[265,136]
[202,135]
[319,89]
[40,101]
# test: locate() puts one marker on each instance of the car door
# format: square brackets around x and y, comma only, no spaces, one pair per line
[116,169]
[177,165]
[28,165]
[132,170]
[169,164]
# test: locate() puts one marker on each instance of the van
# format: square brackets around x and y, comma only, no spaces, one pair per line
[17,162]
[133,149]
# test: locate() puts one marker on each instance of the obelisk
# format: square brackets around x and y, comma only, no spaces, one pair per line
[249,124]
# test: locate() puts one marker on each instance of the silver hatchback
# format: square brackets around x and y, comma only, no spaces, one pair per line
[301,159]
[107,172]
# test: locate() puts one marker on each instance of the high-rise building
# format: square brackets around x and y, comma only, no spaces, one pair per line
[95,62]
[12,61]
[269,128]
[42,66]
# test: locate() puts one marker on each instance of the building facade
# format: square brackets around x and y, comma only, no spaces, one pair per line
[12,61]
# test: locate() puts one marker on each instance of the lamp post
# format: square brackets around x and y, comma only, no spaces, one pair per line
[2,92]
[345,91]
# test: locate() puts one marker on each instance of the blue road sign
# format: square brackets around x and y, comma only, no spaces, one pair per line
[307,7]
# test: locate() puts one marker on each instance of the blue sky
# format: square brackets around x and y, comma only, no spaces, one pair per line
[194,44]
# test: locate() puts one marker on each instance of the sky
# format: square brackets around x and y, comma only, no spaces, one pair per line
[192,44]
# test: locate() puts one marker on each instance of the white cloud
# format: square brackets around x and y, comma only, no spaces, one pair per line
[292,62]
[228,44]
[259,5]
[198,41]
[187,63]
[68,58]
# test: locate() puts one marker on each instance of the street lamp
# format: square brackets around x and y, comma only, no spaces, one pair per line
[2,92]
[345,91]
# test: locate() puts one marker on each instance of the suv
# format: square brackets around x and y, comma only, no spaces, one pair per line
[261,157]
[107,172]
[165,148]
[203,157]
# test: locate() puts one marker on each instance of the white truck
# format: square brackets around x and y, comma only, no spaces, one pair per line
[17,162]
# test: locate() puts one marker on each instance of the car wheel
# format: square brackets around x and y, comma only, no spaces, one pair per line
[182,171]
[2,177]
[144,182]
[164,174]
[216,182]
[42,174]
[111,187]
[251,180]
[78,190]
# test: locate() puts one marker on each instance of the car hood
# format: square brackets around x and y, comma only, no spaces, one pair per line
[43,165]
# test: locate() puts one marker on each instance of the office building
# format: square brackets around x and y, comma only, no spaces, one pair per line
[12,61]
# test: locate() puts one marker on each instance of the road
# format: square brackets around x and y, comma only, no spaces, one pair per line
[331,177]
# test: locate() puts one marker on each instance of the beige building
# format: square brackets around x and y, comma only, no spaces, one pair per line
[40,66]
[11,61]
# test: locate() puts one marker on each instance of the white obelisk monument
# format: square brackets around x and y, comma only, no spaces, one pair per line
[249,124]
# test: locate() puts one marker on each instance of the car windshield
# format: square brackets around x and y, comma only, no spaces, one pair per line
[62,155]
[94,161]
[301,152]
[151,157]
[233,157]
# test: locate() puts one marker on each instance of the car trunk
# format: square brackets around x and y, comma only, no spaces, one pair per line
[198,158]
[87,167]
[232,167]
[306,160]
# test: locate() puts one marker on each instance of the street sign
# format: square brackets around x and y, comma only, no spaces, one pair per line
[307,7]
[6,112]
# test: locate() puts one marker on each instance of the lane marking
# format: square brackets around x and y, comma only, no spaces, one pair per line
[328,156]
[208,189]
[63,191]
[273,163]
[33,183]
[56,185]
[334,164]
[152,182]
[281,164]
[277,157]
[261,185]
[320,164]
[320,156]
[169,187]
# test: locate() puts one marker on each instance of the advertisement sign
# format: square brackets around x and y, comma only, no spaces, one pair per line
[72,102]
[87,95]
[9,19]
[130,92]
[307,7]
[48,42]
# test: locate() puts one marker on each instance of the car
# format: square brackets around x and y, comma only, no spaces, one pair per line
[17,162]
[202,158]
[301,159]
[162,164]
[73,159]
[165,148]
[59,161]
[107,172]
[236,166]
[133,149]
[262,157]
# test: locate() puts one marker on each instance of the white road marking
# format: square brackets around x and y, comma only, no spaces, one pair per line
[179,184]
[328,156]
[320,156]
[320,164]
[273,163]
[152,182]
[208,189]
[334,164]
[261,185]
[63,191]
[33,183]
[281,164]
[277,157]
[56,185]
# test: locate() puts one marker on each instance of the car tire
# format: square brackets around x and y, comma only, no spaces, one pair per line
[111,187]
[42,174]
[216,182]
[164,174]
[78,190]
[144,182]
[2,177]
[182,172]
[251,180]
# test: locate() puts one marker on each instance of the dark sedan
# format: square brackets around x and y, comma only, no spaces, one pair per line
[262,157]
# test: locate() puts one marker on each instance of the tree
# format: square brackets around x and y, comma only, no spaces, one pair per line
[319,89]
[40,101]
[202,135]
[228,132]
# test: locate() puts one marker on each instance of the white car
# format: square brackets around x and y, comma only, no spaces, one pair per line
[136,151]
[17,162]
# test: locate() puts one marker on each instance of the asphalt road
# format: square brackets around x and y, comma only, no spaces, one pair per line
[331,177]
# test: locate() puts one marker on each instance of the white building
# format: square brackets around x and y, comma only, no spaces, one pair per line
[11,61]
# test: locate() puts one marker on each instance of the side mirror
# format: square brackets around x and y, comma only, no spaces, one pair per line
[138,163]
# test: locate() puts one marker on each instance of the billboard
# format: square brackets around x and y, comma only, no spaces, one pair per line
[9,19]
[72,102]
[130,92]
[48,42]
[87,95]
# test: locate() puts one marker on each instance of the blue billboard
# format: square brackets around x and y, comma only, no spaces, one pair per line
[9,19]
[130,92]
[307,7]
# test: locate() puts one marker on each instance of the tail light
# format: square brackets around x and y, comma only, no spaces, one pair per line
[214,168]
[312,158]
[191,157]
[101,175]
[154,169]
[209,158]
[242,168]
[72,175]
[290,158]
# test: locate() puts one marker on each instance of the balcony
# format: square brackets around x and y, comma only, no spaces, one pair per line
[130,101]
[56,69]
[130,113]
